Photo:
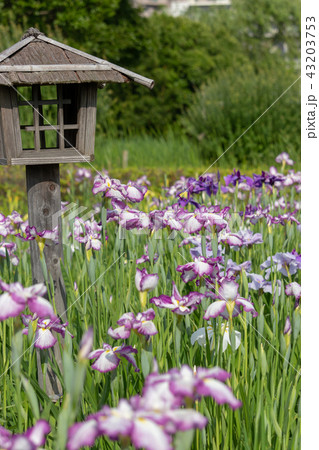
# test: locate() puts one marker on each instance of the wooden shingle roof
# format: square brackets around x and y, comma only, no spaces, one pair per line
[37,59]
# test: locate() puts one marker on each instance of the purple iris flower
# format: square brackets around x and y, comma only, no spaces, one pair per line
[293,178]
[200,267]
[124,330]
[207,183]
[88,232]
[31,439]
[234,178]
[178,304]
[194,240]
[149,421]
[144,281]
[16,298]
[284,158]
[143,181]
[10,224]
[8,248]
[31,233]
[206,382]
[134,192]
[186,200]
[267,179]
[249,238]
[232,239]
[141,324]
[185,384]
[214,217]
[82,174]
[293,289]
[86,344]
[234,269]
[281,203]
[145,258]
[228,302]
[197,250]
[258,283]
[132,218]
[82,434]
[255,213]
[156,217]
[282,262]
[282,219]
[178,187]
[123,423]
[287,329]
[107,358]
[43,337]
[170,219]
[111,188]
[193,222]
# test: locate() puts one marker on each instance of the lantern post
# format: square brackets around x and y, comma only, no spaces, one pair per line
[27,69]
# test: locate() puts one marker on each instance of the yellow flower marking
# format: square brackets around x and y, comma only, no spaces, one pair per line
[230,305]
[41,243]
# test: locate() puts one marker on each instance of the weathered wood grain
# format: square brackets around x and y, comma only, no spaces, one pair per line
[90,119]
[9,125]
[44,206]
[132,75]
[44,210]
[17,148]
[54,67]
[14,48]
[49,127]
[54,157]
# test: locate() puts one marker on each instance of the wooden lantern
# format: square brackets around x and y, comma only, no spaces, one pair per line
[27,69]
[48,94]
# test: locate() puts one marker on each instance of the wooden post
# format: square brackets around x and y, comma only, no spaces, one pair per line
[44,205]
[125,159]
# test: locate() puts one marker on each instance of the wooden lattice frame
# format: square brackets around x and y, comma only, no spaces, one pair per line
[76,126]
[39,127]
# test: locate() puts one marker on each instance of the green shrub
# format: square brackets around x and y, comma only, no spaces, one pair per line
[225,108]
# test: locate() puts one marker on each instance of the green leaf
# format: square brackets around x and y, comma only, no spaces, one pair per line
[17,353]
[275,424]
[146,361]
[31,396]
[62,428]
[183,440]
[263,359]
[68,372]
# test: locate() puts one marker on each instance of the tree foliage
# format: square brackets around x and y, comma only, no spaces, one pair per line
[247,113]
[189,57]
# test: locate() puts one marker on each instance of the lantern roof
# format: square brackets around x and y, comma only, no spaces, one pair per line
[37,59]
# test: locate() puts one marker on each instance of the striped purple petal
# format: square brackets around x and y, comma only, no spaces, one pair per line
[8,307]
[106,362]
[82,434]
[219,392]
[215,309]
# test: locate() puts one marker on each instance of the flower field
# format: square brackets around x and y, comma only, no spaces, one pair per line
[182,327]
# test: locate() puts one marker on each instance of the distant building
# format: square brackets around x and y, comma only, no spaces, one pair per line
[176,7]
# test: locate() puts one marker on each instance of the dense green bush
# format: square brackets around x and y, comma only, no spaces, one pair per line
[179,54]
[223,110]
[215,71]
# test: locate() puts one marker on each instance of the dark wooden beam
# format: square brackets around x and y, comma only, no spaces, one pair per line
[44,206]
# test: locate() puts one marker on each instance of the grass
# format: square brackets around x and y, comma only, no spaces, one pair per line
[265,371]
[143,151]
